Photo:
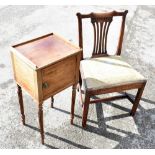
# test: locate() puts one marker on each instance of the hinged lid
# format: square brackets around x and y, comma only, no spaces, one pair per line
[45,50]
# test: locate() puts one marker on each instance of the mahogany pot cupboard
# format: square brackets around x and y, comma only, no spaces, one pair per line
[43,67]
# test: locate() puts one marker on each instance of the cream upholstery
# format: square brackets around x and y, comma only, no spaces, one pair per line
[106,72]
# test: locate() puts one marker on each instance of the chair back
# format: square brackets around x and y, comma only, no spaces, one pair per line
[101,23]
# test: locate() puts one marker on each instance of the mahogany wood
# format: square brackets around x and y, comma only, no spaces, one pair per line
[57,76]
[40,117]
[43,67]
[73,102]
[137,99]
[20,97]
[119,97]
[101,23]
[21,77]
[46,50]
[85,109]
[101,32]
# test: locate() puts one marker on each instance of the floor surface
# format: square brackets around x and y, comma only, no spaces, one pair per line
[109,124]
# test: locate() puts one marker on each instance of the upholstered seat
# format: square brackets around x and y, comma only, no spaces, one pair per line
[106,72]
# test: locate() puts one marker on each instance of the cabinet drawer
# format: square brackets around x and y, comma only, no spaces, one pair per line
[58,76]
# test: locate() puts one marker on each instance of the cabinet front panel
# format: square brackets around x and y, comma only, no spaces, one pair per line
[58,76]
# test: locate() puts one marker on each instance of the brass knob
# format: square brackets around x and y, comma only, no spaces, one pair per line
[45,85]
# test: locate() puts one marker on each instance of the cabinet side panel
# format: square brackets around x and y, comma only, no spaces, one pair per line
[24,75]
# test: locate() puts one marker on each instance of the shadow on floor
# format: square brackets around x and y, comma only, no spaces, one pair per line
[143,99]
[67,112]
[132,140]
[145,138]
[142,121]
[59,138]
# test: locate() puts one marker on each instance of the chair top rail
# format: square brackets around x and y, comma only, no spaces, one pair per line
[102,15]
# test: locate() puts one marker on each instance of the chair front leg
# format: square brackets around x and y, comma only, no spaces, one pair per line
[85,110]
[137,100]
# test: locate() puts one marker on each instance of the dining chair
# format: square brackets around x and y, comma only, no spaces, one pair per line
[103,73]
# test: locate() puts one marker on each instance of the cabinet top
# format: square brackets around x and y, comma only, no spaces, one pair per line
[45,50]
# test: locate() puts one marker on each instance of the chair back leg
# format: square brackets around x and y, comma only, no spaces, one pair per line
[137,100]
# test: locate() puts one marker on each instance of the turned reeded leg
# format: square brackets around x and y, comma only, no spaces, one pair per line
[52,101]
[137,99]
[40,116]
[20,98]
[73,102]
[85,110]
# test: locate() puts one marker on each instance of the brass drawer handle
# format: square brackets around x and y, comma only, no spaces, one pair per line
[45,85]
